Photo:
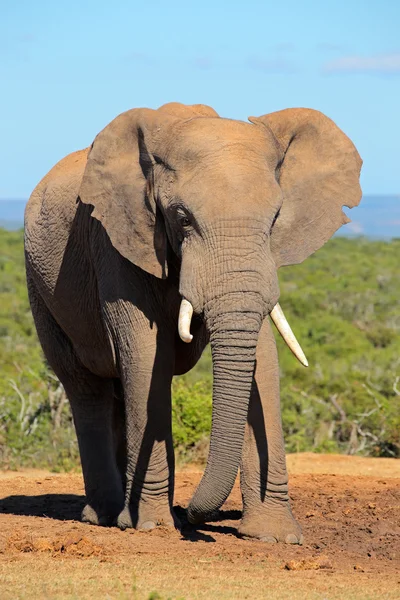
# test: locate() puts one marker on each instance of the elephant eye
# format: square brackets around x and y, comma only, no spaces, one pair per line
[184,221]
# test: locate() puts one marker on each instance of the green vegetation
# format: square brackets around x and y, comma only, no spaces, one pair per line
[343,304]
[35,423]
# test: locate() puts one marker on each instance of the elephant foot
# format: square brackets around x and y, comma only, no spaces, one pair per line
[271,522]
[148,516]
[105,517]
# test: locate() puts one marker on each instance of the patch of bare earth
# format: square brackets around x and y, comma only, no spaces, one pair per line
[349,509]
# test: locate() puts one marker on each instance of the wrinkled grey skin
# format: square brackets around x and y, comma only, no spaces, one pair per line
[168,204]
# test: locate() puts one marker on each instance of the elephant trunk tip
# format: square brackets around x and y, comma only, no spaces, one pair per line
[197,516]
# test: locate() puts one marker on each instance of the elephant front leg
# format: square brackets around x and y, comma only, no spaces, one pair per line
[263,476]
[150,456]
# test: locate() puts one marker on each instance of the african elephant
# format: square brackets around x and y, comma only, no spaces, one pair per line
[172,212]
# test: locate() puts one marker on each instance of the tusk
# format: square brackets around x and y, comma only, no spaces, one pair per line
[185,317]
[285,330]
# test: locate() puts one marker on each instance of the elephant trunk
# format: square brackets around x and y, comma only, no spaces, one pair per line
[234,330]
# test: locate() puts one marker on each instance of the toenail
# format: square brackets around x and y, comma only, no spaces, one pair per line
[291,539]
[148,525]
[269,539]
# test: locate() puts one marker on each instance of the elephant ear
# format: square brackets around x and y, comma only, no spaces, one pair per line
[319,174]
[115,184]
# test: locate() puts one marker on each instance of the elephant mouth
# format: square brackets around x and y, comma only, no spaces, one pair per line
[276,314]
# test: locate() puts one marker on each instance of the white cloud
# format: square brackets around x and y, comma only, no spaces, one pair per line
[384,64]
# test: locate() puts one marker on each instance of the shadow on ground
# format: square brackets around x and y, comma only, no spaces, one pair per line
[68,507]
[64,507]
[201,532]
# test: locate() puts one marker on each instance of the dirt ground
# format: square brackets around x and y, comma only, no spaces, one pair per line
[349,509]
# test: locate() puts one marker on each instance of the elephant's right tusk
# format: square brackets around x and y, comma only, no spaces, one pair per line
[184,320]
[286,332]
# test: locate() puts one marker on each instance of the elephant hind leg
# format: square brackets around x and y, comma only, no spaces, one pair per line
[93,405]
[119,431]
[91,398]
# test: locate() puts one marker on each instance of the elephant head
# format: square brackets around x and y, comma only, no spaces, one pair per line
[234,201]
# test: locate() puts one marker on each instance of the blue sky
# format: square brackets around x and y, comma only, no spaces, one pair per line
[68,68]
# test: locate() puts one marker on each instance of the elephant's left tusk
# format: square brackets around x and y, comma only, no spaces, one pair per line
[286,332]
[185,318]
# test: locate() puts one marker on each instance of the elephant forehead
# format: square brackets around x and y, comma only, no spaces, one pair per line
[233,192]
[224,166]
[200,139]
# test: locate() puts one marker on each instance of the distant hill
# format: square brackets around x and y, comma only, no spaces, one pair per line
[376,217]
[12,213]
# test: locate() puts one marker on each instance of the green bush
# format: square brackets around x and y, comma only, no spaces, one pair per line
[343,304]
[191,415]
